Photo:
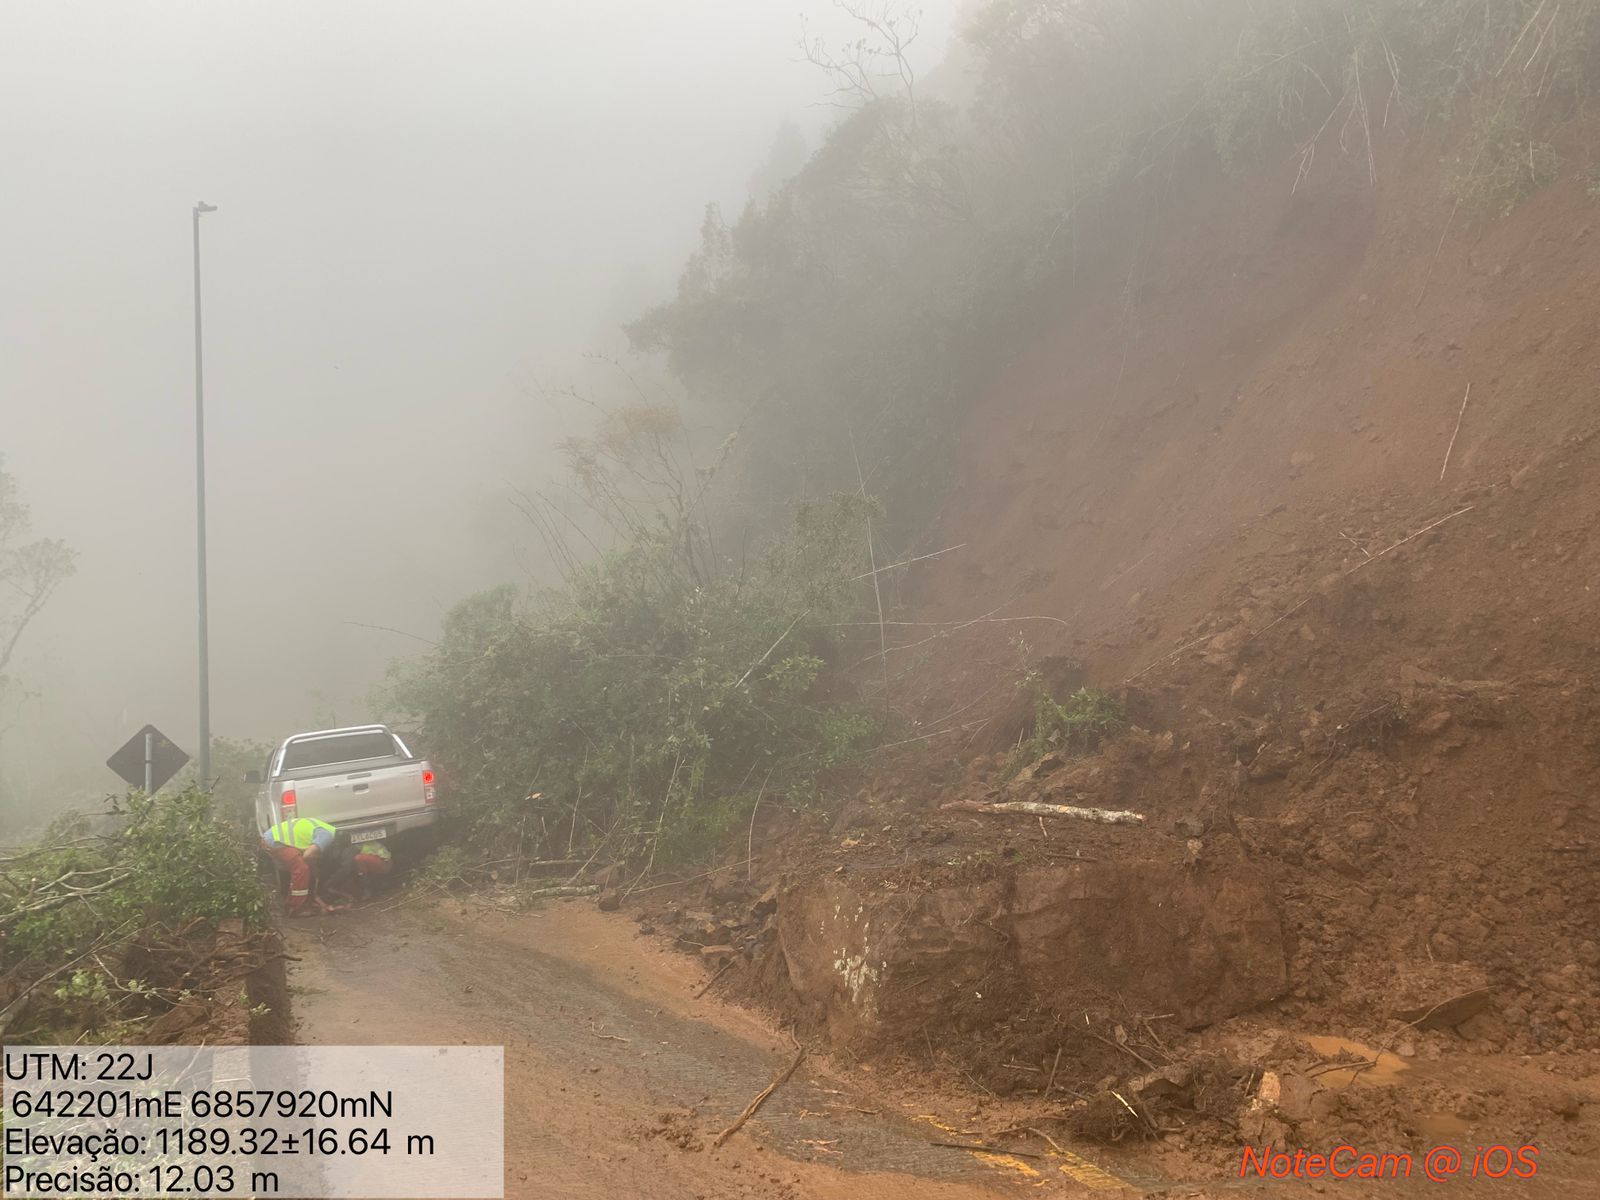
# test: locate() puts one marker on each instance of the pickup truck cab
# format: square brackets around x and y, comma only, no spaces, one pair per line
[364,781]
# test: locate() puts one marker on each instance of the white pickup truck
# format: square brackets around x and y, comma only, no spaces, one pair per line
[364,781]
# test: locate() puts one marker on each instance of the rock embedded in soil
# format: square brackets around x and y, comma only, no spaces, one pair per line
[1154,937]
[877,962]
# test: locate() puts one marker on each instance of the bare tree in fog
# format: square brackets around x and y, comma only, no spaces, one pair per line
[881,54]
[30,572]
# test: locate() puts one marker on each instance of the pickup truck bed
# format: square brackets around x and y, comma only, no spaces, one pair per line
[364,781]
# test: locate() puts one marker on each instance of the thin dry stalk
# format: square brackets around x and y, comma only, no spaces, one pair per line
[1050,1141]
[680,882]
[1129,1050]
[1536,15]
[906,562]
[927,737]
[655,842]
[750,840]
[1554,17]
[978,1148]
[577,807]
[877,591]
[987,618]
[1163,661]
[1434,261]
[768,654]
[1053,1068]
[1366,123]
[1451,447]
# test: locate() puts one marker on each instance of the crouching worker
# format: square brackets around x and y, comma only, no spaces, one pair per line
[372,861]
[296,844]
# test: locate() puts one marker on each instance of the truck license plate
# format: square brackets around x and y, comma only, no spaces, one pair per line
[368,835]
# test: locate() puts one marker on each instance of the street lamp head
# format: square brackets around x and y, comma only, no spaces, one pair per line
[203,207]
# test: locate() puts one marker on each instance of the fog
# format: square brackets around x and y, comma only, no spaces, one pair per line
[428,214]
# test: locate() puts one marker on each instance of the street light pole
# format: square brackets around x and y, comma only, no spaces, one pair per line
[200,510]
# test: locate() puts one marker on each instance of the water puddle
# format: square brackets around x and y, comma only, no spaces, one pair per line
[1368,1066]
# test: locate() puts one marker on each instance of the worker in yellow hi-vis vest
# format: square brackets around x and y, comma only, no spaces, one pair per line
[296,844]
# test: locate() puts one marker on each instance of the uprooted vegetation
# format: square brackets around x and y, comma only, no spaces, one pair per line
[143,924]
[642,710]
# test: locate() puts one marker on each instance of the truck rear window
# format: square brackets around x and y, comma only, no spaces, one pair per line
[347,747]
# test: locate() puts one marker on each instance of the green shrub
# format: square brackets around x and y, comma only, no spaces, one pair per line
[643,704]
[1087,718]
[1078,725]
[169,861]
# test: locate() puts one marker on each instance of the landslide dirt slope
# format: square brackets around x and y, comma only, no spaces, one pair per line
[1363,700]
[1216,482]
[1266,370]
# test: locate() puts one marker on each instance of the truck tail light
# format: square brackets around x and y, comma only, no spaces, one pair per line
[288,799]
[428,793]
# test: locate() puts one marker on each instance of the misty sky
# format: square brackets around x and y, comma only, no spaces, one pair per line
[427,212]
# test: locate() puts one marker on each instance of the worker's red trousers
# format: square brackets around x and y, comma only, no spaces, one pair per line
[299,872]
[372,864]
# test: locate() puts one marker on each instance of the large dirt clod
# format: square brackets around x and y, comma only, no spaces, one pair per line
[1152,936]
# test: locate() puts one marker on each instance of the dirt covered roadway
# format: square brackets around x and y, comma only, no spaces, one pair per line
[618,1079]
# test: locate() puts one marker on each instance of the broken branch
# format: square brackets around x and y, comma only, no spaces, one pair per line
[978,1149]
[766,1093]
[1104,816]
[714,978]
[540,893]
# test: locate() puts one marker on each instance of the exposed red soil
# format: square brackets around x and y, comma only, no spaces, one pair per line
[1271,376]
[1215,490]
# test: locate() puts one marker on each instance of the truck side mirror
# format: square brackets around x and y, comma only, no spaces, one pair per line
[252,776]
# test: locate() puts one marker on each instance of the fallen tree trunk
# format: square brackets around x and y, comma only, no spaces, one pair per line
[1105,816]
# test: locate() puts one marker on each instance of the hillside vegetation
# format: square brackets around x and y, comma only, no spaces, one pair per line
[1081,194]
[920,248]
[646,705]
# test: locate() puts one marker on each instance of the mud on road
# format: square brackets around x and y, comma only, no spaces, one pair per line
[617,1079]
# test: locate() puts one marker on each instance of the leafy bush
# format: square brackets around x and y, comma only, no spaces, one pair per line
[110,921]
[643,705]
[1088,717]
[167,860]
[1078,725]
[182,862]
